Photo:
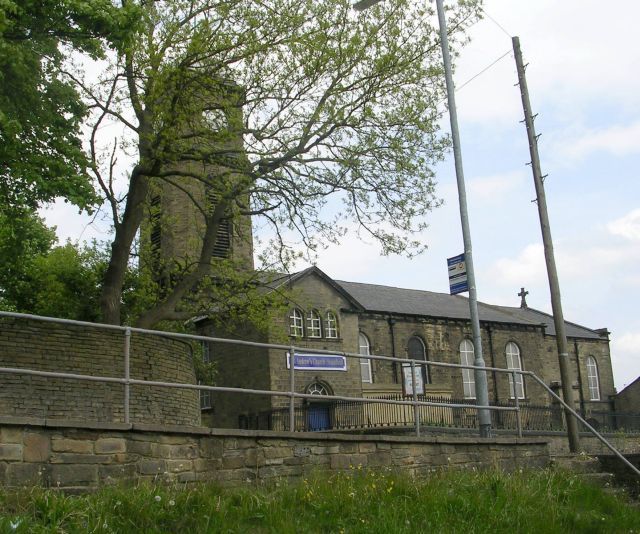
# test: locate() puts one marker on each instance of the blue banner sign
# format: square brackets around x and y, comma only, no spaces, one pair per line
[457,275]
[317,362]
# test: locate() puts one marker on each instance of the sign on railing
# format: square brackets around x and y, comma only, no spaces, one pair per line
[317,362]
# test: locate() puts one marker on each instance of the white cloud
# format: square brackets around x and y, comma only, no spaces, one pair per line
[618,140]
[625,353]
[575,61]
[494,188]
[573,259]
[629,342]
[627,226]
[527,266]
[75,226]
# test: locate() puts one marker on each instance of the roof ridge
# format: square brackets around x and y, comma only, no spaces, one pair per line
[550,315]
[401,288]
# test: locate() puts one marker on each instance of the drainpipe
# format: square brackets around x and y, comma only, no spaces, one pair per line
[493,363]
[575,345]
[391,322]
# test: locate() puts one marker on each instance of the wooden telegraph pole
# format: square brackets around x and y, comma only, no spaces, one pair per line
[554,286]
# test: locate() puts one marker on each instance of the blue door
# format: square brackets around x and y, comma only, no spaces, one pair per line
[318,417]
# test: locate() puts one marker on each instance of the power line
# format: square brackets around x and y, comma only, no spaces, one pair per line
[496,22]
[508,52]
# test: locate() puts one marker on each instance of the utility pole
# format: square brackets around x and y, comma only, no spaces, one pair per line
[482,389]
[552,273]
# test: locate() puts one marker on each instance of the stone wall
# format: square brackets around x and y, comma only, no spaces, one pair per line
[589,444]
[237,366]
[46,346]
[81,458]
[628,400]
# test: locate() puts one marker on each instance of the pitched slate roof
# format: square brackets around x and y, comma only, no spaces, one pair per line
[386,299]
[572,329]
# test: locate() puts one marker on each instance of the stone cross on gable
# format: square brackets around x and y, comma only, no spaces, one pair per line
[523,300]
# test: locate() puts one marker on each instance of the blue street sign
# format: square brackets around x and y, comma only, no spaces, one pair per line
[318,362]
[457,275]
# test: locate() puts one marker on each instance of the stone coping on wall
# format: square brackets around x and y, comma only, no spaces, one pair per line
[238,433]
[79,456]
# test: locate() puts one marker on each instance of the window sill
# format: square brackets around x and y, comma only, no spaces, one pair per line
[315,339]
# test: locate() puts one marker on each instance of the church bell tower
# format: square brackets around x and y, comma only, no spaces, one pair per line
[205,164]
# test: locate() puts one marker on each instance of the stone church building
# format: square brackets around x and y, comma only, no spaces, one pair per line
[339,316]
[355,317]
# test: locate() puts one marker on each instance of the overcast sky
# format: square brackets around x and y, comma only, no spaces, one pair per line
[584,84]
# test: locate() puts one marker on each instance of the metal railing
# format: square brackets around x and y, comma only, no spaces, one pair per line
[349,415]
[614,421]
[291,394]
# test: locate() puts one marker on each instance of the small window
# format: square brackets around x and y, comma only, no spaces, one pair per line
[592,379]
[417,350]
[205,399]
[222,247]
[214,120]
[365,363]
[317,389]
[205,396]
[514,362]
[296,326]
[156,222]
[331,326]
[314,324]
[467,357]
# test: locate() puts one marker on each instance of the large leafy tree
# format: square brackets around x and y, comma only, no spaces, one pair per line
[276,106]
[41,112]
[38,277]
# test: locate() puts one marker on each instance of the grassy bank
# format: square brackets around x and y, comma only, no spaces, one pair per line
[356,501]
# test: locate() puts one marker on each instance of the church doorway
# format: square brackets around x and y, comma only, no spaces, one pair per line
[318,411]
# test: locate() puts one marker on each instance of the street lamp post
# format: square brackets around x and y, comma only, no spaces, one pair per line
[482,390]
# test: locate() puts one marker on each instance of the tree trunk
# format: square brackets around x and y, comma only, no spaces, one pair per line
[111,297]
[168,307]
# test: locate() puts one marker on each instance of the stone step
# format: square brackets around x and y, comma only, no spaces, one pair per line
[577,463]
[604,480]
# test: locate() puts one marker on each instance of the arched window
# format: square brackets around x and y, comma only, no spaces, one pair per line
[467,357]
[314,324]
[514,362]
[416,350]
[317,388]
[296,324]
[364,348]
[592,379]
[331,326]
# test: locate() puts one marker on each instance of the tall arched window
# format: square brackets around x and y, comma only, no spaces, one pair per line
[514,362]
[416,350]
[593,379]
[467,357]
[296,323]
[331,326]
[314,324]
[364,348]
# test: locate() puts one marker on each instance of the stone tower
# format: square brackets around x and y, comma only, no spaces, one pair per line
[208,160]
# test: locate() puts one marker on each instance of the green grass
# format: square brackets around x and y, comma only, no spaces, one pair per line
[355,501]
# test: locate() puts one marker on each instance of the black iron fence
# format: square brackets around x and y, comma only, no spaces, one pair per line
[614,421]
[349,415]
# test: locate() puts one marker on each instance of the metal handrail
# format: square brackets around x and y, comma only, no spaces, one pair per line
[591,429]
[195,337]
[225,389]
[127,381]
